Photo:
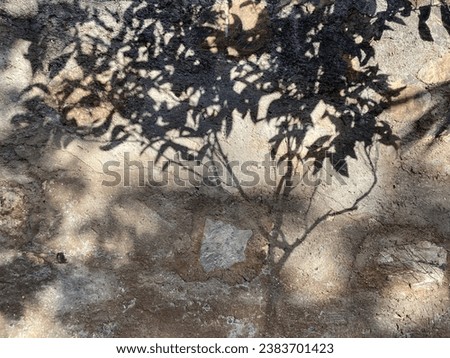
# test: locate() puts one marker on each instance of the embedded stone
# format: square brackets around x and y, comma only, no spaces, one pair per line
[223,245]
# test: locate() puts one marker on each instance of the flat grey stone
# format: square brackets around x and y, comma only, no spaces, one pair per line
[223,245]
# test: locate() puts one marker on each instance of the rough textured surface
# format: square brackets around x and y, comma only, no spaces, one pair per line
[436,71]
[320,127]
[418,265]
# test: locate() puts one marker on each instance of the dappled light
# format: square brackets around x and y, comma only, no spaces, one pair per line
[307,133]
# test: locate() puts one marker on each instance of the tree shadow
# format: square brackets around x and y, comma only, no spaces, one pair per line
[435,122]
[145,59]
[424,15]
[179,77]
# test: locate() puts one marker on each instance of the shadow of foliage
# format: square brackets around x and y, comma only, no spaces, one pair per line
[424,15]
[435,122]
[169,69]
[173,73]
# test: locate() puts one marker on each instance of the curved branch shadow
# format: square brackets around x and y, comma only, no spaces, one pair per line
[161,73]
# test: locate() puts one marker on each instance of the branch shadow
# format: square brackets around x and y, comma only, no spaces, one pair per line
[165,73]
